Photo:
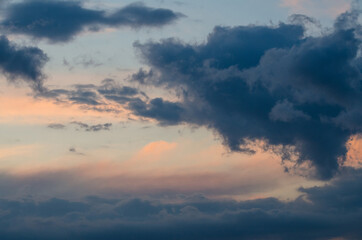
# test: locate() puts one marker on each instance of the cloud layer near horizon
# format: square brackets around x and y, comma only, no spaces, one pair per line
[326,212]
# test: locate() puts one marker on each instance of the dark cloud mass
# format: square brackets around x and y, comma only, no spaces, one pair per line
[269,83]
[25,63]
[60,21]
[332,211]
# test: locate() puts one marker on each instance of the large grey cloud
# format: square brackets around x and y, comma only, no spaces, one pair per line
[60,21]
[324,212]
[24,63]
[264,83]
[301,95]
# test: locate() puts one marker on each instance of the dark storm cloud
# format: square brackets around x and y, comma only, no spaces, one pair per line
[25,63]
[60,21]
[84,61]
[325,212]
[111,90]
[72,150]
[268,83]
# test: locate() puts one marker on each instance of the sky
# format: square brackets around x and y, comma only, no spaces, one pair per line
[162,119]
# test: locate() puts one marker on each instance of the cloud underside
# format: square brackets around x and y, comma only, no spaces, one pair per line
[61,21]
[325,212]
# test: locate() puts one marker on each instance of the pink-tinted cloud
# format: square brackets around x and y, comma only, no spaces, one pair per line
[165,168]
[316,8]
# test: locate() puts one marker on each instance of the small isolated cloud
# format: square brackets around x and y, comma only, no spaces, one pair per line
[300,95]
[61,21]
[93,128]
[56,126]
[285,112]
[332,211]
[75,151]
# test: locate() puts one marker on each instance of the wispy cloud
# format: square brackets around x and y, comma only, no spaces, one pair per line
[93,128]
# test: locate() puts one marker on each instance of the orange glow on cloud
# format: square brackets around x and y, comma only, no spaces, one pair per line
[161,167]
[354,155]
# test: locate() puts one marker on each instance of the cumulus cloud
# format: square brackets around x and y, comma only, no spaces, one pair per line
[301,95]
[60,21]
[83,126]
[25,63]
[260,82]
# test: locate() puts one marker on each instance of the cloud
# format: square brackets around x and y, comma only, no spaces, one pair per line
[83,126]
[325,212]
[75,151]
[61,21]
[258,82]
[56,126]
[109,96]
[93,128]
[82,60]
[330,8]
[168,113]
[23,63]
